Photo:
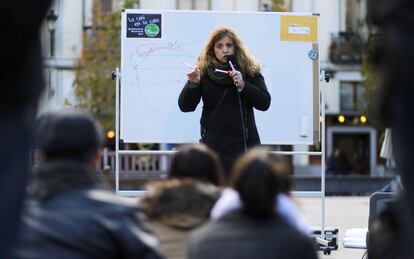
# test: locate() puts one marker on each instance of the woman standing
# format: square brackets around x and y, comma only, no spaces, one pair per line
[228,80]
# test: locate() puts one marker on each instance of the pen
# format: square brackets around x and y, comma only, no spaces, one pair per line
[189,65]
[221,71]
[231,65]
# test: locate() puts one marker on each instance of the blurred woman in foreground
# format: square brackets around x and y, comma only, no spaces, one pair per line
[256,230]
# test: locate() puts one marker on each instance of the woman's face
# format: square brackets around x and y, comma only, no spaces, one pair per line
[223,48]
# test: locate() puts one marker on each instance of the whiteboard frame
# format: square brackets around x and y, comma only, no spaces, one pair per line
[313,118]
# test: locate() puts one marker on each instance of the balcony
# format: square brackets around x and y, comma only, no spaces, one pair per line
[346,48]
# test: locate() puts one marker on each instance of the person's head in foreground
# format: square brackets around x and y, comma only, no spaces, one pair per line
[69,135]
[257,181]
[198,162]
[69,145]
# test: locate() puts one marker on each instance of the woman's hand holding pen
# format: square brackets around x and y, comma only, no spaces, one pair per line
[194,76]
[237,79]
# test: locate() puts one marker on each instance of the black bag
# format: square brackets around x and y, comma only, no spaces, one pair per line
[204,132]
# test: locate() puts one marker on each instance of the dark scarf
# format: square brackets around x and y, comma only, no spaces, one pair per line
[218,77]
[64,175]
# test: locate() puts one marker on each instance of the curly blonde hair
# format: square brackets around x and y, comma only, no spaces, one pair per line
[245,60]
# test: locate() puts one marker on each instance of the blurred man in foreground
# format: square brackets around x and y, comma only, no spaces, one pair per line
[71,213]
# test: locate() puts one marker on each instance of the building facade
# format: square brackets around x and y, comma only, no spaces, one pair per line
[342,35]
[342,32]
[61,49]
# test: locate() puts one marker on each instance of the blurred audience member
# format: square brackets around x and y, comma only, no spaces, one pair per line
[197,161]
[255,230]
[175,207]
[21,81]
[384,237]
[393,60]
[71,213]
[338,163]
[285,204]
[184,201]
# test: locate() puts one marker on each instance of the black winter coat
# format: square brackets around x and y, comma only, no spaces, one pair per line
[236,236]
[71,216]
[224,132]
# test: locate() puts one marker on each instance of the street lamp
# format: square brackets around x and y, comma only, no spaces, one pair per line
[51,18]
[266,8]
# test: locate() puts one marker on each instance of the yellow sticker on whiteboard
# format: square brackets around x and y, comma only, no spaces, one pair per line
[299,28]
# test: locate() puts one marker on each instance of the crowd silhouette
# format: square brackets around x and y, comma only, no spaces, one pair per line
[71,211]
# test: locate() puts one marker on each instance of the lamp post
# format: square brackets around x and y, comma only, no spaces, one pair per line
[51,18]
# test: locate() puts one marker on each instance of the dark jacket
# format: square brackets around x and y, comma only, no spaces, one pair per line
[225,132]
[174,208]
[236,236]
[71,215]
[21,82]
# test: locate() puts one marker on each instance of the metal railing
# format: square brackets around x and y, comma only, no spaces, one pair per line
[132,166]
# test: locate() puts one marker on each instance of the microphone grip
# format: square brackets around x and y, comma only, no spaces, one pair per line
[231,65]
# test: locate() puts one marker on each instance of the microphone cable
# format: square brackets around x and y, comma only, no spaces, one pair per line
[232,62]
[242,121]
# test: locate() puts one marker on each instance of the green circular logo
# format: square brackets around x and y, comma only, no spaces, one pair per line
[152,30]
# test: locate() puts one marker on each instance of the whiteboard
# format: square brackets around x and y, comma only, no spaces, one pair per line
[153,72]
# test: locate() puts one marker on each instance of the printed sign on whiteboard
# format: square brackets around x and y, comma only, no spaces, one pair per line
[143,25]
[299,28]
[294,29]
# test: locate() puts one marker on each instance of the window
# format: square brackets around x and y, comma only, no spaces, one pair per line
[352,96]
[87,18]
[354,16]
[194,4]
[106,6]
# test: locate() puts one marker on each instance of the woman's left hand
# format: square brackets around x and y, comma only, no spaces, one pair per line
[237,79]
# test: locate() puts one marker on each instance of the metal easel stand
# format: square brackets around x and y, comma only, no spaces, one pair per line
[116,75]
[321,194]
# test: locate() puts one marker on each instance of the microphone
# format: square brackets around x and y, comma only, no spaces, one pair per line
[232,61]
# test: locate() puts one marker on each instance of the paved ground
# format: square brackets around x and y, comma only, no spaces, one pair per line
[342,213]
